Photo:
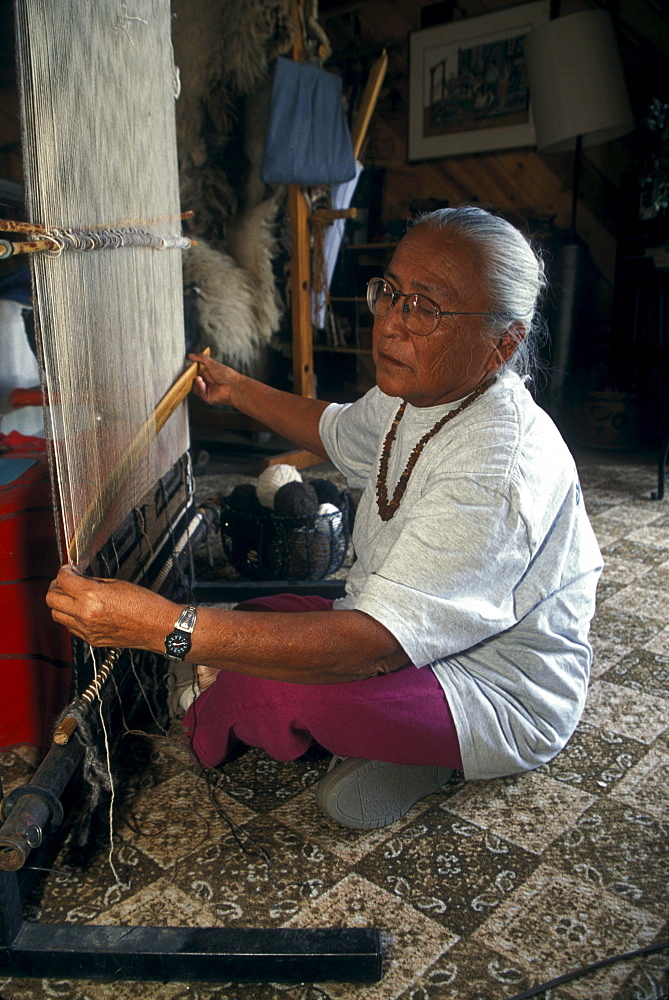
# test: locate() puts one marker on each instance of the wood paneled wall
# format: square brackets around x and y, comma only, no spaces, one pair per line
[522,183]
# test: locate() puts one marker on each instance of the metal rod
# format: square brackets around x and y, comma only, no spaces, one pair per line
[29,811]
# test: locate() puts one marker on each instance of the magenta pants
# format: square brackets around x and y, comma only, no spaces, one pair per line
[402,717]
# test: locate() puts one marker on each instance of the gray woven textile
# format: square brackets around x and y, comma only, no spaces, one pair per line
[98,92]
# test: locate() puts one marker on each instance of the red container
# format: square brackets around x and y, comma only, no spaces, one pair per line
[35,652]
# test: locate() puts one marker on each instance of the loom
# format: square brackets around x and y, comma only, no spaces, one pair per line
[98,87]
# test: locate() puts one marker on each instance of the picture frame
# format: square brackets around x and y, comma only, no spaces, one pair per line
[468,88]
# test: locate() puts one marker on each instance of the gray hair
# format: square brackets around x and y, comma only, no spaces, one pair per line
[513,272]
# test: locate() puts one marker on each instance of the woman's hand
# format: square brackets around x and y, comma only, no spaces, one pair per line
[214,384]
[110,613]
[286,413]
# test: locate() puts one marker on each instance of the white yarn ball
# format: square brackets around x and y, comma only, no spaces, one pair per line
[328,522]
[332,523]
[327,508]
[272,479]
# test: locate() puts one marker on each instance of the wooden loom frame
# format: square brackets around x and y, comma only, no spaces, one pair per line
[184,954]
[181,954]
[33,811]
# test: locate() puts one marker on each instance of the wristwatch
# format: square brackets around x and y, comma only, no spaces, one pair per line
[177,643]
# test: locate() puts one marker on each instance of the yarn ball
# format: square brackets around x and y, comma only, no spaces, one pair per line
[242,517]
[326,491]
[272,479]
[296,500]
[244,499]
[329,522]
[326,509]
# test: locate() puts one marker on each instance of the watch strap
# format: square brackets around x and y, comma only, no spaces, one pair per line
[186,620]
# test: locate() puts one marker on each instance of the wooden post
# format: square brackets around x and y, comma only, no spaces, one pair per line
[368,102]
[300,293]
[300,278]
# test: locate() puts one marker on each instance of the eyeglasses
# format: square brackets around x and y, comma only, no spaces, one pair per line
[419,313]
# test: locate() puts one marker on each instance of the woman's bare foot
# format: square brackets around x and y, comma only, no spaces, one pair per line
[205,676]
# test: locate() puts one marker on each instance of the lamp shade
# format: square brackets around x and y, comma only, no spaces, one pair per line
[576,82]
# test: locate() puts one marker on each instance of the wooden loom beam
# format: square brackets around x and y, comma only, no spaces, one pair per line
[194,954]
[368,101]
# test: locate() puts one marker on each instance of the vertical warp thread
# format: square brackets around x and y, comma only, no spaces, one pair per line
[100,150]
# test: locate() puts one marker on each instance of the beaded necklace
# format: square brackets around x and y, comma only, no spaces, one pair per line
[386,508]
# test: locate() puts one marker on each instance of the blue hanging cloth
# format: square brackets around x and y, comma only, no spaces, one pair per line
[308,140]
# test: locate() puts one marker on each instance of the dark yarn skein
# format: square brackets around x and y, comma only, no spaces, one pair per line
[244,499]
[327,492]
[243,520]
[296,500]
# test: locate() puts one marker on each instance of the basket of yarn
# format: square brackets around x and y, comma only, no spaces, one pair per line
[283,528]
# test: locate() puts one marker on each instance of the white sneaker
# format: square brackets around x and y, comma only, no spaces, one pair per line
[369,794]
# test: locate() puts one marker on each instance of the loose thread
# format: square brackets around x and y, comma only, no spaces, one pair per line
[140,521]
[112,541]
[145,696]
[112,788]
[242,837]
[125,20]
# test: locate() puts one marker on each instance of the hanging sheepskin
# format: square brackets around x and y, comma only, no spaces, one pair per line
[222,51]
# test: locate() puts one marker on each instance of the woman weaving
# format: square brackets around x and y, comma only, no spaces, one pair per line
[461,641]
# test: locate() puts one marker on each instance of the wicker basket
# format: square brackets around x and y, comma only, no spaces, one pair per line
[268,546]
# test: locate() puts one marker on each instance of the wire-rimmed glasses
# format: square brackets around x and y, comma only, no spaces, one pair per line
[420,313]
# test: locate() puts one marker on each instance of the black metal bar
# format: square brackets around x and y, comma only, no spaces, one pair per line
[29,812]
[195,954]
[11,916]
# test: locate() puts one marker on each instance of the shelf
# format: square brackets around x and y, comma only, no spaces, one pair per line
[347,364]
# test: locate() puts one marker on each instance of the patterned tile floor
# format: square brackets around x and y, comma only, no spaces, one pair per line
[484,890]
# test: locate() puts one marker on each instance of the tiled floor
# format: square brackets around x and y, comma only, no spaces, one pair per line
[484,890]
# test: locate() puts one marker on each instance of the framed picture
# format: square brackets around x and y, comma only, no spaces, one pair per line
[468,87]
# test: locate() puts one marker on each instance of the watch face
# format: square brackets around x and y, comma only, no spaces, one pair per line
[177,644]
